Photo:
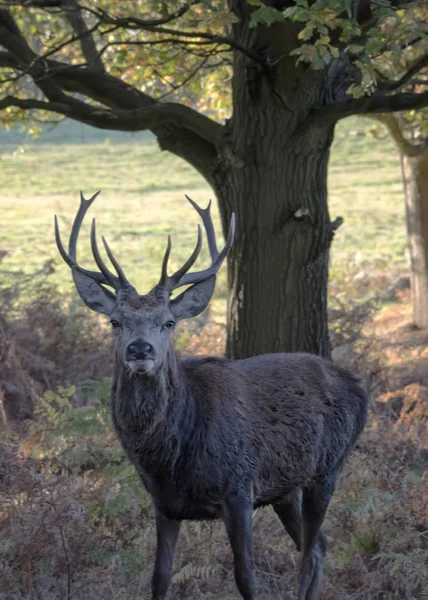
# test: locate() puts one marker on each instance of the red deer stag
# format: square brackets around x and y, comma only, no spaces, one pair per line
[215,438]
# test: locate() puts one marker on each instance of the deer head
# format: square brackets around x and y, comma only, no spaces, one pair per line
[142,324]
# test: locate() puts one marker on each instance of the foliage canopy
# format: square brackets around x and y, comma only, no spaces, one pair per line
[374,55]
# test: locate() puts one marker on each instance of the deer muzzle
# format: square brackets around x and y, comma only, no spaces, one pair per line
[140,356]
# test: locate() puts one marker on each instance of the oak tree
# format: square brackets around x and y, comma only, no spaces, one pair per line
[283,72]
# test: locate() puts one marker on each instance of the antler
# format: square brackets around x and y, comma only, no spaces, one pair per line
[170,282]
[106,276]
[181,277]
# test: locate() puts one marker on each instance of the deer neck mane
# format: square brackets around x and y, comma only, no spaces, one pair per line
[150,399]
[153,416]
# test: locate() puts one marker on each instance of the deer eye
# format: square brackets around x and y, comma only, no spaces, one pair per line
[169,325]
[115,324]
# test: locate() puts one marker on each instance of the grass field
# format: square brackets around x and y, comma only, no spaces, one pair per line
[143,199]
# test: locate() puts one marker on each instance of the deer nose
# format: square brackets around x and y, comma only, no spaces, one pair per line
[139,350]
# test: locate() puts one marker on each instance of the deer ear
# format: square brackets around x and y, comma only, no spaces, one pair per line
[93,293]
[193,300]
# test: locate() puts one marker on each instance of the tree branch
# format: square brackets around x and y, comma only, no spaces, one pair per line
[377,103]
[31,103]
[156,26]
[49,4]
[215,39]
[131,110]
[193,149]
[176,114]
[179,128]
[139,119]
[7,60]
[196,150]
[143,23]
[99,86]
[87,43]
[417,66]
[48,75]
[14,42]
[397,134]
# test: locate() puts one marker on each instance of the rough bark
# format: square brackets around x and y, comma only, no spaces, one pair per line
[278,267]
[273,174]
[415,180]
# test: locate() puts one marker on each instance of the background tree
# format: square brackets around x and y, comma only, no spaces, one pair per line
[410,133]
[296,69]
[414,165]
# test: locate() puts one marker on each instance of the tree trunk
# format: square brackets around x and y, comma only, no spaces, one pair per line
[415,180]
[272,172]
[278,267]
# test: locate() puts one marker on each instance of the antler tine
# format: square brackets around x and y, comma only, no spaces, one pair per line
[216,262]
[60,245]
[164,273]
[172,280]
[106,276]
[73,264]
[205,214]
[181,277]
[83,208]
[114,281]
[122,277]
[70,257]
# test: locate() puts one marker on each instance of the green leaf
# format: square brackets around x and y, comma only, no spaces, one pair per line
[266,15]
[307,32]
[289,12]
[318,62]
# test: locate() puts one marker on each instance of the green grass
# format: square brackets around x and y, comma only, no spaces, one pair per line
[365,187]
[143,199]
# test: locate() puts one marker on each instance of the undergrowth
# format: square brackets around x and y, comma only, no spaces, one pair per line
[75,522]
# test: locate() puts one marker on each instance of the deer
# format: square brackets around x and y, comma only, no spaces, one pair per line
[212,437]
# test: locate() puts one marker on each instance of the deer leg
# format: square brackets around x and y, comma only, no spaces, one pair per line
[167,534]
[290,514]
[314,544]
[319,554]
[238,518]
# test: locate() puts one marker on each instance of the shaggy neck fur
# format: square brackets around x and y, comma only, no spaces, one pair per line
[157,410]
